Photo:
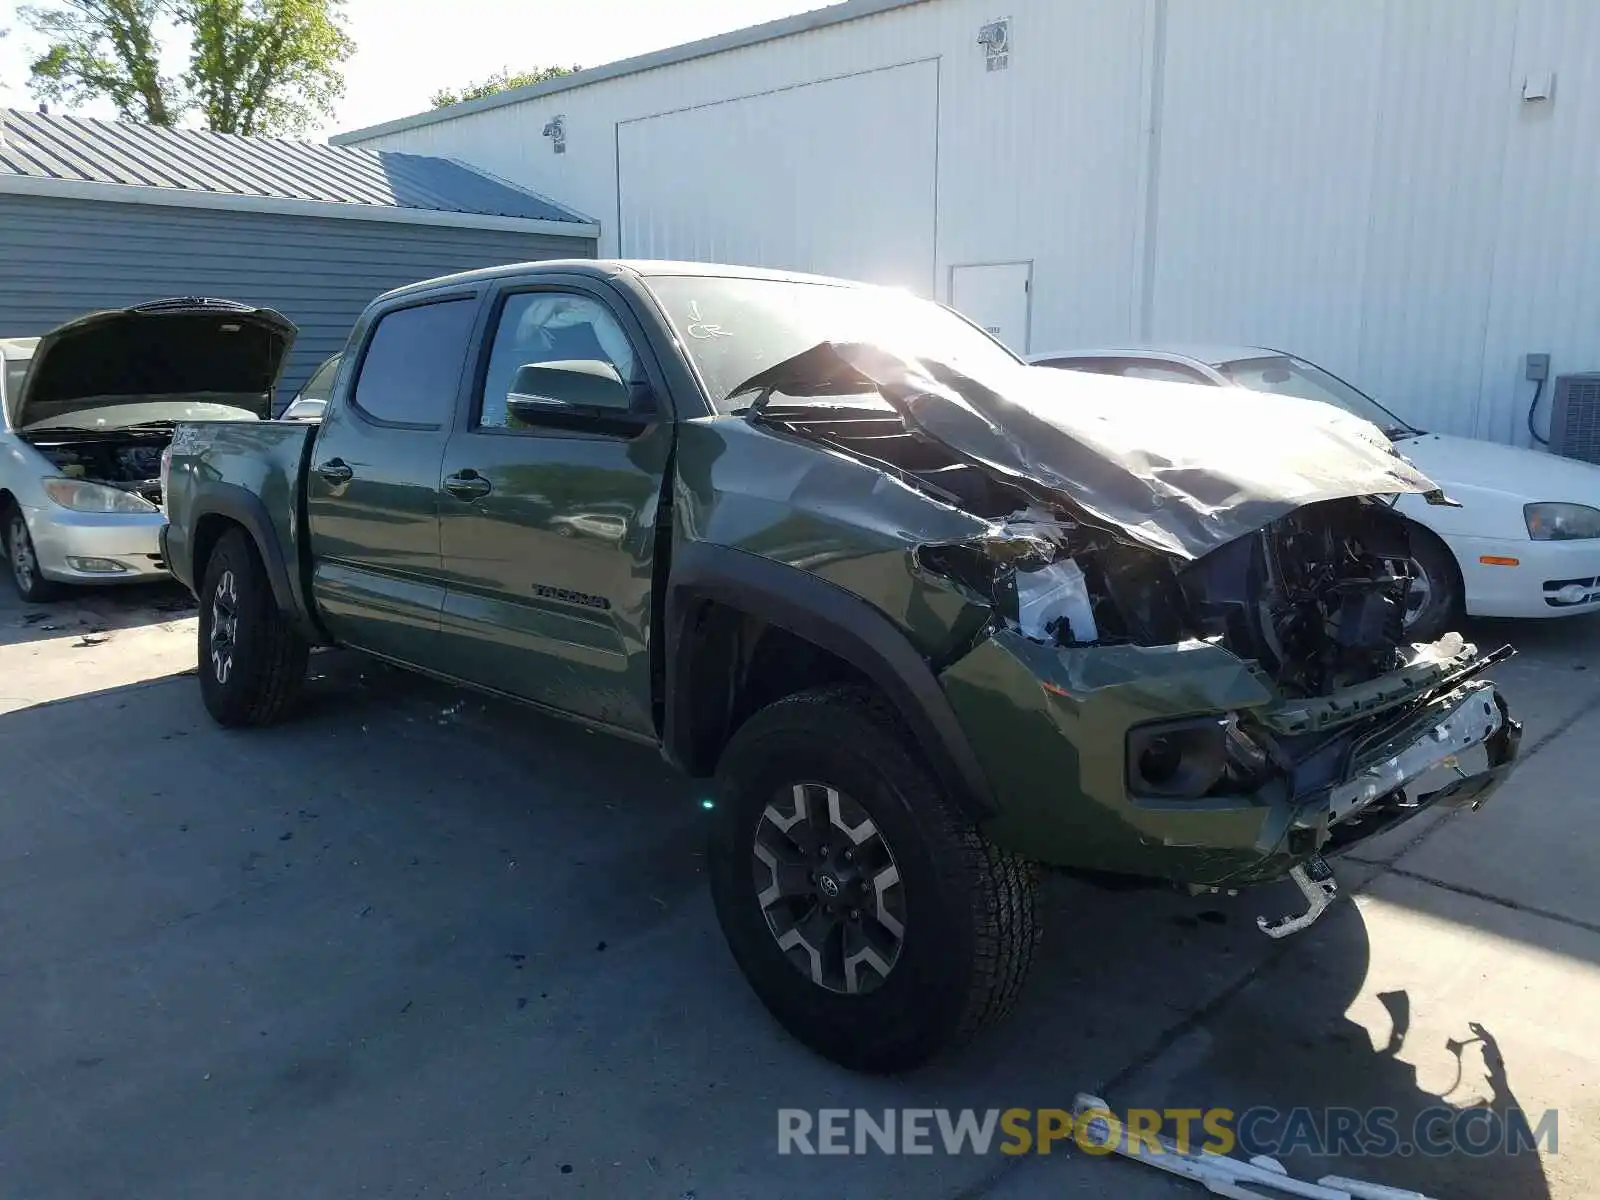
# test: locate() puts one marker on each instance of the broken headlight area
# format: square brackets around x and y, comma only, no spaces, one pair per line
[123,460]
[1316,599]
[1194,757]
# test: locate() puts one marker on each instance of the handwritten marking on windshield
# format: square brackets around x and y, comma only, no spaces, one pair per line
[702,329]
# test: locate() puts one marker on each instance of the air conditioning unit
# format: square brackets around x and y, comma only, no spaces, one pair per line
[1575,417]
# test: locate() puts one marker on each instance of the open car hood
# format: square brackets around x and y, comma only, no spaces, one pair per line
[1178,468]
[161,360]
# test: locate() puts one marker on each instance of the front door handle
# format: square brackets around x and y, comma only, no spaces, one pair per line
[467,485]
[336,470]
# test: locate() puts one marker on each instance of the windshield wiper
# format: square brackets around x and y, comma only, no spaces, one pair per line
[59,429]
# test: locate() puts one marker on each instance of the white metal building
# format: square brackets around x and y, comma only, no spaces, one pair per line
[1403,190]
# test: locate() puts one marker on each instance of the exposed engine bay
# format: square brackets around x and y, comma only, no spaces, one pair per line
[1317,598]
[128,459]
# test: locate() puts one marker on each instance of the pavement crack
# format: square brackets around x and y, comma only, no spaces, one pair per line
[1163,1042]
[1497,901]
[1527,753]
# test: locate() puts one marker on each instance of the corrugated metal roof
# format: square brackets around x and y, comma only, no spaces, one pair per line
[117,152]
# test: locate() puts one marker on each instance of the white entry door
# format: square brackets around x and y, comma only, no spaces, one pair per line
[995,295]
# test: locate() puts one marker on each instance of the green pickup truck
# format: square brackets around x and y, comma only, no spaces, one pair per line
[926,619]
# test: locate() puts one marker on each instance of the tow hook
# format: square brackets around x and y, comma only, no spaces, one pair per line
[1315,880]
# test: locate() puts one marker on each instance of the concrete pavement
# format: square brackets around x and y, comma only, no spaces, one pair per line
[416,944]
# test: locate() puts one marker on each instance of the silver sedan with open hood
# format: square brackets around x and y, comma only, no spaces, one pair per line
[88,410]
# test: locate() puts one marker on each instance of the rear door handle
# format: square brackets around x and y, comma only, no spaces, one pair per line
[336,470]
[467,485]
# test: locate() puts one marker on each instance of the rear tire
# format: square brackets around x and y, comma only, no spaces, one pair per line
[30,583]
[252,659]
[814,769]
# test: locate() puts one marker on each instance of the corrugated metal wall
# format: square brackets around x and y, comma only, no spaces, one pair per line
[1359,181]
[62,258]
[848,189]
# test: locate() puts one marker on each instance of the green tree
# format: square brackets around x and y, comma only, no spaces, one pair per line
[501,81]
[255,66]
[266,66]
[104,48]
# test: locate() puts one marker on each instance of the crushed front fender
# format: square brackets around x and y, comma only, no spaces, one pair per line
[1049,726]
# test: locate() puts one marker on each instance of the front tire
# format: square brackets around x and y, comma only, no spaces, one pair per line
[252,660]
[1434,606]
[30,582]
[866,911]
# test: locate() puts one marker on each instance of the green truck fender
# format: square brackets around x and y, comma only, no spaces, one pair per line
[698,670]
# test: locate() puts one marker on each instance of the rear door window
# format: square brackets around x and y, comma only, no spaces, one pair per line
[412,368]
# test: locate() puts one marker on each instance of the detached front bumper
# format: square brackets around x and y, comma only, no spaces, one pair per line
[1475,716]
[1049,727]
[91,548]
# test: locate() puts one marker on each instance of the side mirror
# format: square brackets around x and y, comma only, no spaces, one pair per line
[583,393]
[578,383]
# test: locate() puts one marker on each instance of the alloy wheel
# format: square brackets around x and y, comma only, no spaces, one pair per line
[830,888]
[224,626]
[24,567]
[1420,594]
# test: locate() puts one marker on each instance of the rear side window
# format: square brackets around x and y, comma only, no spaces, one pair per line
[1163,371]
[1093,366]
[412,367]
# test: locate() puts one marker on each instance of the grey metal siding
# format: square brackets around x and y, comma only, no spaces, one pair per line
[62,258]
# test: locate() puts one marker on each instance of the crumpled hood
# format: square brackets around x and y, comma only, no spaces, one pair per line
[159,356]
[1181,469]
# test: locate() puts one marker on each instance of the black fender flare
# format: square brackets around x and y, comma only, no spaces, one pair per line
[830,617]
[247,510]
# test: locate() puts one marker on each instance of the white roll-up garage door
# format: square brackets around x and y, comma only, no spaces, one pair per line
[835,177]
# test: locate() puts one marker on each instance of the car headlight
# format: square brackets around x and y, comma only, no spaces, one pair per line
[1177,759]
[1551,522]
[82,496]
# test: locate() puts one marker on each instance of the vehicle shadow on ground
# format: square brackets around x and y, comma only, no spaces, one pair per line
[1281,1043]
[89,612]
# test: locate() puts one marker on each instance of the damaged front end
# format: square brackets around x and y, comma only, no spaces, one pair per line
[1227,718]
[1195,667]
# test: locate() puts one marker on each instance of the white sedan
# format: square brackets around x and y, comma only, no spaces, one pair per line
[1525,541]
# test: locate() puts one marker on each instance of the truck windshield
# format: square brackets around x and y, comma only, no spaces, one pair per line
[734,328]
